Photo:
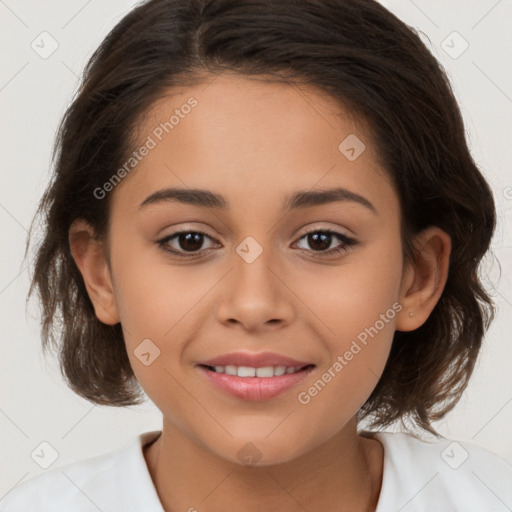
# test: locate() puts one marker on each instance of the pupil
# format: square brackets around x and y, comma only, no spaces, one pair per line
[193,241]
[325,240]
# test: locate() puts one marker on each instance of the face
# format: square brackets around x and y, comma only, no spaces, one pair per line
[258,274]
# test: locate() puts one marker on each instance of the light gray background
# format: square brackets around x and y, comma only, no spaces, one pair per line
[35,403]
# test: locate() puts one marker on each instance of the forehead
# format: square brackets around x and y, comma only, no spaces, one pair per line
[251,141]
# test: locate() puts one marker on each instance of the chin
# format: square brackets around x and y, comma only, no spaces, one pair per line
[260,452]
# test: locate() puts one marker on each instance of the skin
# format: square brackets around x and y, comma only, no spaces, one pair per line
[255,143]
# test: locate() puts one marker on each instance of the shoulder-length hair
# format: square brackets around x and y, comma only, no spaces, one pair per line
[357,52]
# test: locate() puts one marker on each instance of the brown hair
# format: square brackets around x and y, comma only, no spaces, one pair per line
[357,52]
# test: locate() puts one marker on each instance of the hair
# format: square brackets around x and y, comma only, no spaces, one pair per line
[358,53]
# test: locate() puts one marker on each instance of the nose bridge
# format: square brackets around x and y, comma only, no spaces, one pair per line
[255,264]
[255,292]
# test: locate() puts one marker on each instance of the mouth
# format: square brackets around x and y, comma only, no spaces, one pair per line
[255,383]
[264,372]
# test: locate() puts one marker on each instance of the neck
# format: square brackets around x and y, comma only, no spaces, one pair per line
[344,474]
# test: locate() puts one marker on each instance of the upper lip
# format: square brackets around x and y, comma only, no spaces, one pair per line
[258,360]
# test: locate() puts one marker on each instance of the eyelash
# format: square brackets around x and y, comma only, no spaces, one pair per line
[345,246]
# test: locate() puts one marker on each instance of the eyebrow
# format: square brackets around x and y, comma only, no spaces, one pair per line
[298,200]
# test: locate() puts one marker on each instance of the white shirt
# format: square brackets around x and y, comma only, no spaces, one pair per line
[418,476]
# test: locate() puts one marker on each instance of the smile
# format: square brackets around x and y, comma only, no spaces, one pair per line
[255,383]
[249,371]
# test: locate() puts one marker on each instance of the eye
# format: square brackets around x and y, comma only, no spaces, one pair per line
[320,239]
[189,243]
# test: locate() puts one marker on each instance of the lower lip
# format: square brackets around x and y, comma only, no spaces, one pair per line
[255,388]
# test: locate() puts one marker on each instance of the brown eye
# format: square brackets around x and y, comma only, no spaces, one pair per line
[190,242]
[320,240]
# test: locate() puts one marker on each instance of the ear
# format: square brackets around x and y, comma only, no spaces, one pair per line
[424,279]
[89,254]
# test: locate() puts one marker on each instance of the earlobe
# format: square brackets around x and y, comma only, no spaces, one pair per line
[90,258]
[424,279]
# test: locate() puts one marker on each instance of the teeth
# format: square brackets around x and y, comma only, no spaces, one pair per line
[249,371]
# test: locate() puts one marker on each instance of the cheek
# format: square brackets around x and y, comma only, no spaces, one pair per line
[351,296]
[358,348]
[357,304]
[159,306]
[153,294]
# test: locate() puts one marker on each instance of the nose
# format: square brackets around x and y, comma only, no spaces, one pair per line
[254,294]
